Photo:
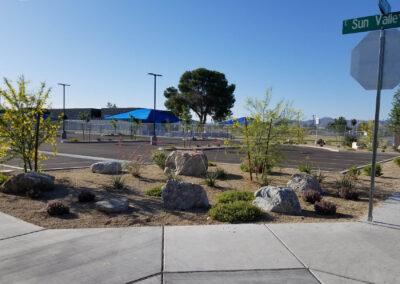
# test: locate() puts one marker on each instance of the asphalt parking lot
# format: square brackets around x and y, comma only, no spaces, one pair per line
[78,155]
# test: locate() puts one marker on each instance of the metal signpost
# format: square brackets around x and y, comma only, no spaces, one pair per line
[375,64]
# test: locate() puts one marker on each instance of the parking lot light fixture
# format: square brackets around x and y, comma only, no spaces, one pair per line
[64,133]
[154,138]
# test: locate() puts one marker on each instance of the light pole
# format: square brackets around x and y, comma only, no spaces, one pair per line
[153,140]
[64,134]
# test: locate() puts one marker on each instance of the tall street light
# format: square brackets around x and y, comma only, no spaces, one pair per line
[64,134]
[154,138]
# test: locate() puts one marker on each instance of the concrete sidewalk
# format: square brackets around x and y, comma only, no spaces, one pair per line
[355,252]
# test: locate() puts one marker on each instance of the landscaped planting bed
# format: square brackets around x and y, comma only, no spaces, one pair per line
[148,210]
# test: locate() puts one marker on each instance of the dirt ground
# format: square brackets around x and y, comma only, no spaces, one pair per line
[148,211]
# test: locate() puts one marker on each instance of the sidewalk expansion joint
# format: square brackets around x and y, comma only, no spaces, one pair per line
[20,235]
[162,254]
[292,252]
[144,278]
[232,270]
[338,275]
[381,224]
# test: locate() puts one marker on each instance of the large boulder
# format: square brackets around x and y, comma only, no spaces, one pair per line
[106,167]
[187,163]
[303,181]
[112,205]
[183,195]
[277,199]
[32,183]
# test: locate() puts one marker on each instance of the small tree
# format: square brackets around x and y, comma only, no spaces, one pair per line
[114,124]
[394,115]
[369,129]
[135,125]
[264,133]
[111,105]
[186,121]
[85,117]
[23,124]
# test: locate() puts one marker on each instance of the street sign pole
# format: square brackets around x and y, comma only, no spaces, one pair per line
[376,125]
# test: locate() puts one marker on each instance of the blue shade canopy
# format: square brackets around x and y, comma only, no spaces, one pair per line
[146,116]
[233,121]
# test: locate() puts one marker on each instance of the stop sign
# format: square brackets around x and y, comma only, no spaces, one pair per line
[365,59]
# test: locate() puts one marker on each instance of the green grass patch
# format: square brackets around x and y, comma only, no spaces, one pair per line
[235,212]
[3,178]
[234,195]
[154,191]
[396,161]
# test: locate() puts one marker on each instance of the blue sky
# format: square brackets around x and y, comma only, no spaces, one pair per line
[105,49]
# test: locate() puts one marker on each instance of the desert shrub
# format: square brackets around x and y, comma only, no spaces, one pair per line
[368,169]
[353,171]
[320,142]
[210,178]
[117,183]
[220,173]
[211,164]
[349,139]
[235,212]
[57,208]
[154,191]
[347,181]
[305,167]
[348,193]
[324,207]
[159,158]
[311,196]
[3,178]
[397,161]
[135,167]
[320,176]
[234,195]
[256,167]
[86,196]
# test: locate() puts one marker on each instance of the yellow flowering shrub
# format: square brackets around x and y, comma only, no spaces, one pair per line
[23,123]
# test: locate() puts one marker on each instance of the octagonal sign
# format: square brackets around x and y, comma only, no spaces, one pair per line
[365,57]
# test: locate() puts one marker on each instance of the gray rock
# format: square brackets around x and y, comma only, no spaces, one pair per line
[277,199]
[106,167]
[303,181]
[28,182]
[187,163]
[112,205]
[183,195]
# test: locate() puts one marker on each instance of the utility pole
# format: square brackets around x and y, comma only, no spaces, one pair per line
[64,133]
[153,140]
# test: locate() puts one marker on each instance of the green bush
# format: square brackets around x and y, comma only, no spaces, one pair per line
[211,164]
[171,147]
[368,169]
[3,178]
[220,173]
[397,161]
[210,178]
[305,167]
[117,183]
[159,158]
[234,195]
[235,212]
[349,139]
[353,171]
[154,191]
[73,140]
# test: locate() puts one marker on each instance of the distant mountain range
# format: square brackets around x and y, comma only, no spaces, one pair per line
[323,122]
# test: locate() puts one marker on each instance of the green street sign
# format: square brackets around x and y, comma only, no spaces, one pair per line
[371,23]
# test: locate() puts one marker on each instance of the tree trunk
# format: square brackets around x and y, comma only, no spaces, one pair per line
[37,141]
